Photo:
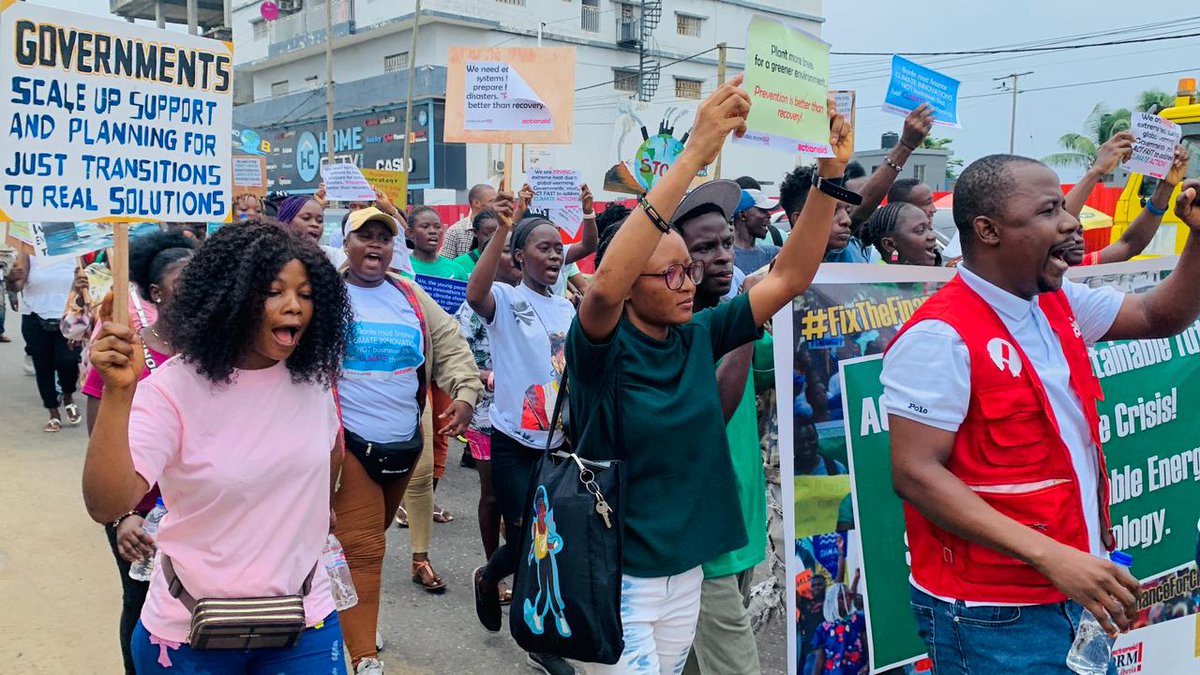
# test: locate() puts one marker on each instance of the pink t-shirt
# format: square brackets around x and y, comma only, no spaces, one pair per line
[244,473]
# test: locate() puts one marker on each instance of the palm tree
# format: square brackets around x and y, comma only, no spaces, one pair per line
[953,164]
[1153,97]
[1101,125]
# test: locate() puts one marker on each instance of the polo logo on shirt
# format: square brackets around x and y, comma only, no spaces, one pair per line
[1005,356]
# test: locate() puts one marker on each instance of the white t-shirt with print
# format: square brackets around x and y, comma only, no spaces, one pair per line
[378,389]
[528,333]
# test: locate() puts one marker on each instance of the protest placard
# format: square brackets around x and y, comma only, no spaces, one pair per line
[449,294]
[844,103]
[394,184]
[78,238]
[787,77]
[250,175]
[556,192]
[647,139]
[1154,141]
[112,120]
[913,84]
[344,182]
[510,95]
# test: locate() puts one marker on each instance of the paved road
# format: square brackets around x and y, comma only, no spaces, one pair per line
[61,593]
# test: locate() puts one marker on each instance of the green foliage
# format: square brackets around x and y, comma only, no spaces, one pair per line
[1079,150]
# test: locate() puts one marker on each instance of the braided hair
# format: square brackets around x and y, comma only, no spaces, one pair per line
[607,223]
[882,224]
[218,307]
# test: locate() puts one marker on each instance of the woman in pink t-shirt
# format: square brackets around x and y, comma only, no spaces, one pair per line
[240,433]
[155,263]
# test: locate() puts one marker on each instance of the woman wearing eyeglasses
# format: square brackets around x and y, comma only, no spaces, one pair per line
[528,325]
[643,383]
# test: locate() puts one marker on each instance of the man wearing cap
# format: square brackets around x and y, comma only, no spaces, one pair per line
[751,219]
[724,641]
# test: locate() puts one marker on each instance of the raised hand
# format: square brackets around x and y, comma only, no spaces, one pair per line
[917,126]
[117,355]
[1114,151]
[319,195]
[1187,205]
[503,208]
[524,199]
[585,196]
[1179,166]
[722,113]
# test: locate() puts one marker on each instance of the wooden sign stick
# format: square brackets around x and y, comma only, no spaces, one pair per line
[120,273]
[506,177]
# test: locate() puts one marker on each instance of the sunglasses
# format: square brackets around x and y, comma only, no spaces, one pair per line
[676,273]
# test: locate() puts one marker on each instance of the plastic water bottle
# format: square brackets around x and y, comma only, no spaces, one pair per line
[344,595]
[1092,648]
[140,570]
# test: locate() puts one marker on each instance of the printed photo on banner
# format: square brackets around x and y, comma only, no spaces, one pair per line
[913,84]
[832,341]
[510,95]
[95,137]
[787,77]
[76,239]
[1154,141]
[556,193]
[647,139]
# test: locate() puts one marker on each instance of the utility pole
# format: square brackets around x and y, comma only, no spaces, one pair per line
[412,69]
[193,17]
[720,81]
[329,81]
[1012,130]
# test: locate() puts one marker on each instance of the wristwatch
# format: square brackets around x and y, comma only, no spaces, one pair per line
[833,188]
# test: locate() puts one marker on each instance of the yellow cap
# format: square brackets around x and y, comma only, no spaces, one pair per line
[371,214]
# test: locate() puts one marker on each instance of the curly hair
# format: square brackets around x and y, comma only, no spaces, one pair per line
[152,254]
[793,191]
[218,307]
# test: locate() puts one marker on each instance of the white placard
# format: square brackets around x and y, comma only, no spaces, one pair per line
[345,183]
[1154,141]
[247,172]
[499,100]
[112,120]
[556,191]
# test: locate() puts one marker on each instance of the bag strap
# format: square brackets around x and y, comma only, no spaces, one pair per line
[411,296]
[175,586]
[151,364]
[558,408]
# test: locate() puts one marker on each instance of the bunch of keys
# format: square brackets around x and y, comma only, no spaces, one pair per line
[589,481]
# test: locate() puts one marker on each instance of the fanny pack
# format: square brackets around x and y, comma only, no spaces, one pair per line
[386,461]
[241,623]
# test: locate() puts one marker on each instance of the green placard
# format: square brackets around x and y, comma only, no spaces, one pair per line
[787,77]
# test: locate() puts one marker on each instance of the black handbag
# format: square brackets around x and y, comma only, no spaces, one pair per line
[567,589]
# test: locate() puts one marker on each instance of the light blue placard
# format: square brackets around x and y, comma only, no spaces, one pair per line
[913,84]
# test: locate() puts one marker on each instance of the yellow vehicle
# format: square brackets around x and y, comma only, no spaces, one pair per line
[1171,234]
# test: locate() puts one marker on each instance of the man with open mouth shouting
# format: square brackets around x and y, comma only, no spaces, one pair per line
[994,428]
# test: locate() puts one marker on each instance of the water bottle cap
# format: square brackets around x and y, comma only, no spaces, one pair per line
[1121,558]
[159,503]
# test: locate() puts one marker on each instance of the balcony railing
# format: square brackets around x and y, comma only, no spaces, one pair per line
[306,28]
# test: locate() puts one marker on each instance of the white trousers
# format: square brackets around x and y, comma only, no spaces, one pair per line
[659,618]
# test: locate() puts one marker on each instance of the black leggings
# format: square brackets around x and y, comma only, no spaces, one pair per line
[133,596]
[51,354]
[512,469]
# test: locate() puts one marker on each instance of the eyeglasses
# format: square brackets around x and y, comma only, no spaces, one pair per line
[676,273]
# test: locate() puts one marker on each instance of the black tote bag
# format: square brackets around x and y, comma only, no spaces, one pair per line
[567,589]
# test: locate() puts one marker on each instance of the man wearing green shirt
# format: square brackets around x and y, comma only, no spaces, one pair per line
[724,640]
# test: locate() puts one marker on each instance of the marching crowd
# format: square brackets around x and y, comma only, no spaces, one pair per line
[276,386]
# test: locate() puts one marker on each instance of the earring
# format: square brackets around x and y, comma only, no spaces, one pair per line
[895,256]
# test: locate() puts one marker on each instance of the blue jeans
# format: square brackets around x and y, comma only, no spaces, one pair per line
[319,651]
[983,640]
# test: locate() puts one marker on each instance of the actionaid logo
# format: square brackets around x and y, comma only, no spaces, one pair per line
[1005,356]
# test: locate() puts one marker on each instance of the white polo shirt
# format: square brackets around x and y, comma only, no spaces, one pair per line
[929,366]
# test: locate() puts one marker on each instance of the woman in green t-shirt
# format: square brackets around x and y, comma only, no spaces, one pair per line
[484,226]
[643,383]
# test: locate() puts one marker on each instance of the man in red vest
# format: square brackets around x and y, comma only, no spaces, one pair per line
[994,430]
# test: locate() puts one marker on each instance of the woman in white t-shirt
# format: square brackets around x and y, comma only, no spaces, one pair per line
[45,285]
[528,325]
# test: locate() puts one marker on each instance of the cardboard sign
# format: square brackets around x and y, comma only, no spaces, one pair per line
[517,95]
[109,120]
[1154,141]
[844,102]
[913,84]
[250,175]
[556,192]
[787,77]
[647,140]
[394,184]
[344,182]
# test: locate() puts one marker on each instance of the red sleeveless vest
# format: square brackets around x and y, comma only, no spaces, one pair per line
[1010,452]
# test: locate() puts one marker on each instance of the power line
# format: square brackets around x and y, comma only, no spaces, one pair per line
[657,68]
[1021,50]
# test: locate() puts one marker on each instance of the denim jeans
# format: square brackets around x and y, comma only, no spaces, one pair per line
[133,596]
[319,652]
[966,640]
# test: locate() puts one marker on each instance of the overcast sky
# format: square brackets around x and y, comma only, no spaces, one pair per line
[951,25]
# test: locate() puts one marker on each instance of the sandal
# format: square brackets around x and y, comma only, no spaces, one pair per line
[505,594]
[73,416]
[54,425]
[424,576]
[401,517]
[5,338]
[441,515]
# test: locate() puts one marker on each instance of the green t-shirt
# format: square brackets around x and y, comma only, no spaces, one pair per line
[443,267]
[654,404]
[746,454]
[467,261]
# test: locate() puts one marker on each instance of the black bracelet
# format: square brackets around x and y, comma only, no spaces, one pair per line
[832,187]
[652,213]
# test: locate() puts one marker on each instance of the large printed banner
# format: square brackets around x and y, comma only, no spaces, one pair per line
[111,120]
[828,355]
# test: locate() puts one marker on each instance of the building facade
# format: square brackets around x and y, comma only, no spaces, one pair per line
[649,62]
